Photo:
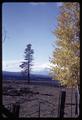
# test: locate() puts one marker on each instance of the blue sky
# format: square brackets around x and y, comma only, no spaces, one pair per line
[28,23]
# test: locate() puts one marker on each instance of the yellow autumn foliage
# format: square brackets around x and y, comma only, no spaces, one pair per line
[67,54]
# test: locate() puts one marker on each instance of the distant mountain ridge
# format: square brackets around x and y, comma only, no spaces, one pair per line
[34,77]
[12,75]
[20,73]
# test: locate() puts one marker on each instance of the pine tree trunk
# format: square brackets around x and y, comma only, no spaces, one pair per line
[28,74]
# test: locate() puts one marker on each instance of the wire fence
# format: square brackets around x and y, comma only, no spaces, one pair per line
[55,110]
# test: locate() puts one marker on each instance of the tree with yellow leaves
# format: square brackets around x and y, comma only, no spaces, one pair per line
[66,55]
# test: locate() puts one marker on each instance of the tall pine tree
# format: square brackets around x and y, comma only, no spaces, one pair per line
[66,55]
[26,65]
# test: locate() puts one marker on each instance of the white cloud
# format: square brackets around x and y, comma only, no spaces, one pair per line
[40,66]
[13,65]
[59,4]
[37,3]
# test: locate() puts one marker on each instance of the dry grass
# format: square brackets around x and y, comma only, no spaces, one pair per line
[47,96]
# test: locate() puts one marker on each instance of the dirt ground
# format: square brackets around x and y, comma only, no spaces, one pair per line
[33,96]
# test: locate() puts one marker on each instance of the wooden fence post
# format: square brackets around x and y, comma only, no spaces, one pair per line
[15,109]
[76,111]
[77,98]
[62,104]
[39,111]
[59,104]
